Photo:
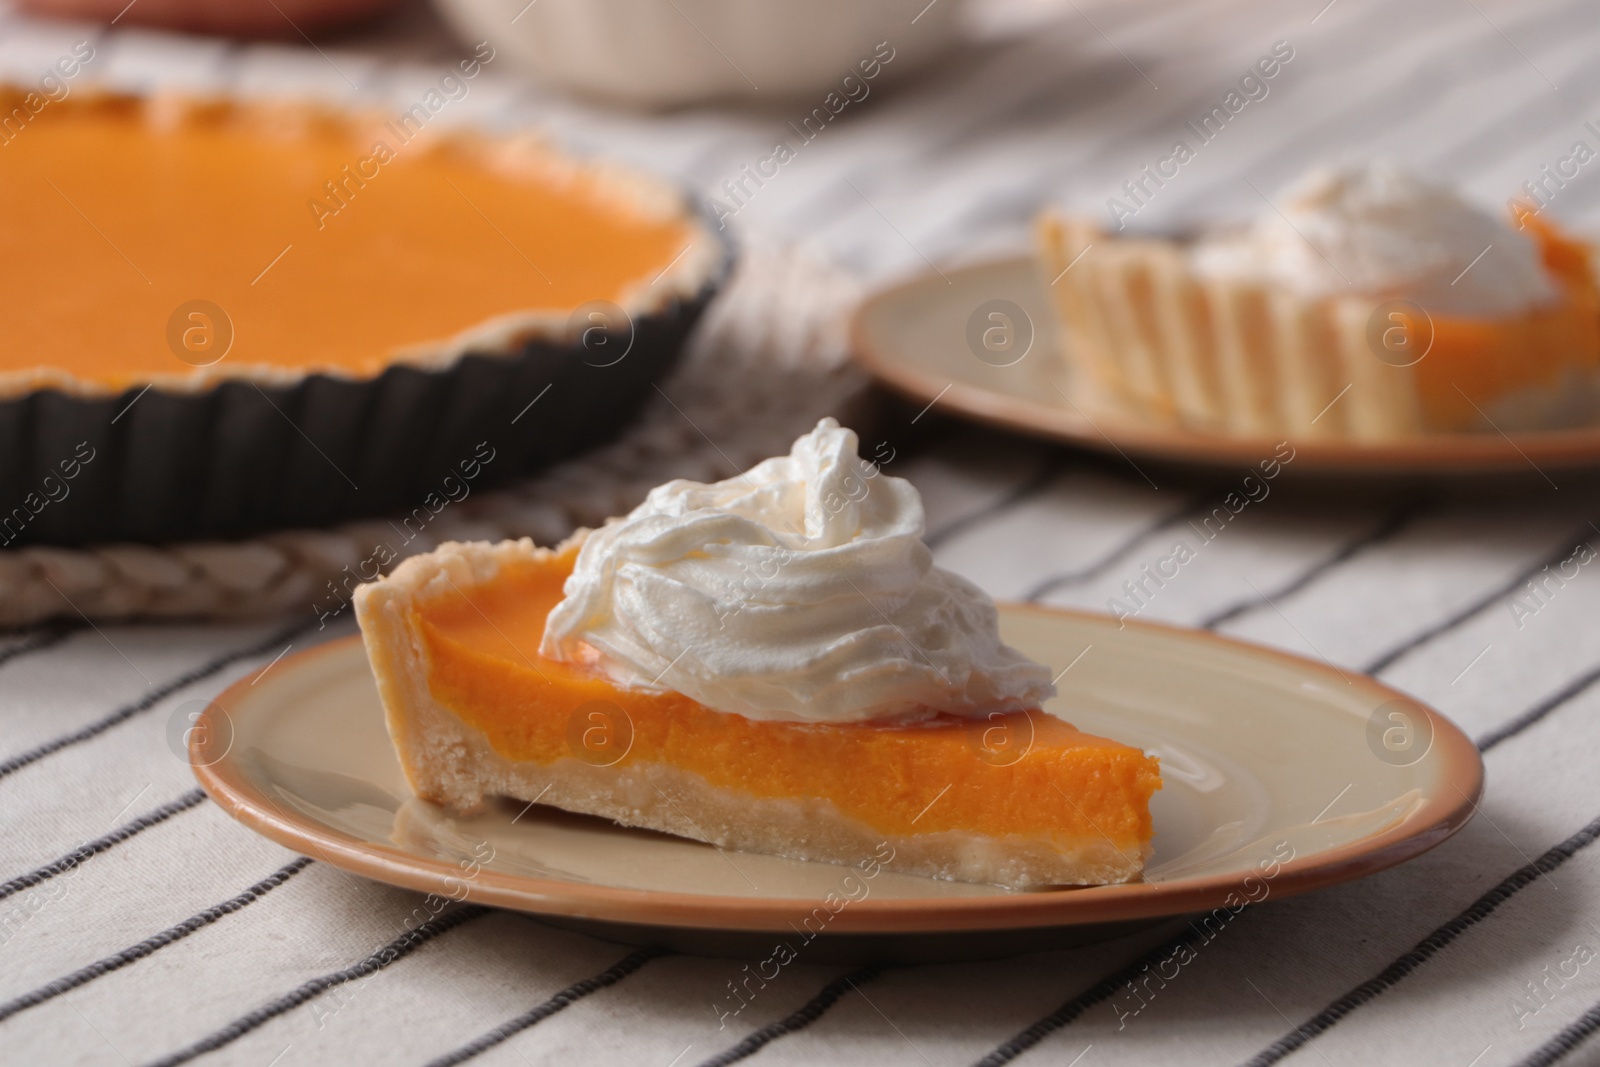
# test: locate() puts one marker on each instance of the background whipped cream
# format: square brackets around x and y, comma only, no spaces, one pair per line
[798,591]
[1376,230]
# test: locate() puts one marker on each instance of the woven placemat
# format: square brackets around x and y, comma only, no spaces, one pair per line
[768,361]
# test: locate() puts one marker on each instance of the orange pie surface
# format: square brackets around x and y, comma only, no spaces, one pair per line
[1025,774]
[1476,361]
[323,251]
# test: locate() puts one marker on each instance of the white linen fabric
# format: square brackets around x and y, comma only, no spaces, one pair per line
[139,924]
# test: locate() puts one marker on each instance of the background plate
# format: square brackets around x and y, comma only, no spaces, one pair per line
[913,337]
[1277,781]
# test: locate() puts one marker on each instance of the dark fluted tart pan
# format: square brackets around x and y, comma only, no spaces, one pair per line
[242,458]
[241,451]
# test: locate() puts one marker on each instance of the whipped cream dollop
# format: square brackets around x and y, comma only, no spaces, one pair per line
[799,591]
[1377,230]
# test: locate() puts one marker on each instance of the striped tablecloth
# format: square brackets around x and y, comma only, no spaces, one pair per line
[138,924]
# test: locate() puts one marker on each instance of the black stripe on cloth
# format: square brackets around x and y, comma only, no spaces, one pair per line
[1568,692]
[1119,552]
[1102,990]
[568,996]
[102,844]
[1425,949]
[151,699]
[1566,1042]
[808,1013]
[1035,484]
[84,975]
[394,951]
[1483,603]
[48,637]
[1384,531]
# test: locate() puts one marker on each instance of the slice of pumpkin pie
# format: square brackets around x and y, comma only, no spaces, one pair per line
[1367,304]
[769,664]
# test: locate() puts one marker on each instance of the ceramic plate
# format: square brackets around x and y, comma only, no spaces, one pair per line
[1281,775]
[914,337]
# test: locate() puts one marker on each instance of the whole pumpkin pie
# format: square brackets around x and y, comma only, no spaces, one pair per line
[1364,303]
[258,314]
[769,664]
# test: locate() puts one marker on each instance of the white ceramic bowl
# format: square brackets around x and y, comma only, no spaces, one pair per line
[662,53]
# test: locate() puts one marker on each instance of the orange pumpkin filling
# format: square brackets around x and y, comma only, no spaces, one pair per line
[1477,361]
[1026,773]
[328,243]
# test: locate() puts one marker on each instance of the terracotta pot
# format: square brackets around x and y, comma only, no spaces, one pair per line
[235,18]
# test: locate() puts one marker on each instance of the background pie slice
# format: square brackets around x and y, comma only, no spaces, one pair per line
[1243,356]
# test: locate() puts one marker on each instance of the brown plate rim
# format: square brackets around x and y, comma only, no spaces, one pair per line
[1441,454]
[1438,818]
